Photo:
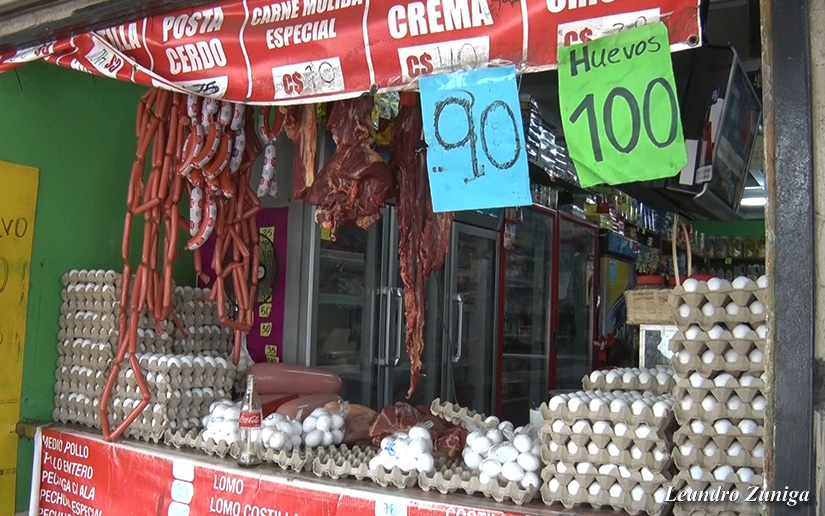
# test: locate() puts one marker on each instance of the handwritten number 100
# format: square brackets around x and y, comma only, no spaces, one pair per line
[588,107]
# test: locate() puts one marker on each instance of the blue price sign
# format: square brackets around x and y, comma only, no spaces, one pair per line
[390,507]
[476,157]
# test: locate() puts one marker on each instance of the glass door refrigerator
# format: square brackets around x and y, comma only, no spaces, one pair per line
[575,302]
[351,314]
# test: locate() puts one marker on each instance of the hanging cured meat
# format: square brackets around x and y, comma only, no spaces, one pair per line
[300,126]
[424,236]
[355,182]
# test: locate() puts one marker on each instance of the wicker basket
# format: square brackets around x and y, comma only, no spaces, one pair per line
[650,305]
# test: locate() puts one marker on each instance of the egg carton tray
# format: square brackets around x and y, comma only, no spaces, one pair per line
[95,334]
[81,371]
[194,439]
[703,342]
[460,416]
[561,433]
[699,440]
[755,387]
[647,505]
[656,460]
[716,509]
[690,408]
[104,307]
[604,412]
[684,482]
[452,475]
[395,477]
[636,384]
[79,351]
[687,454]
[341,461]
[685,363]
[613,446]
[721,317]
[605,474]
[718,298]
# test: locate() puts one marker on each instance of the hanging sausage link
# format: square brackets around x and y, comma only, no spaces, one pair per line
[199,147]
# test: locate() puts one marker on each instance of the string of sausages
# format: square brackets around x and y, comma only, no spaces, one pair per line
[200,145]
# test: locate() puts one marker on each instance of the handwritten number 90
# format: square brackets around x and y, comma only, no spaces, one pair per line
[471,137]
[637,119]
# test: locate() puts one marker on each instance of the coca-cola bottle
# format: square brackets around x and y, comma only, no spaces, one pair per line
[249,426]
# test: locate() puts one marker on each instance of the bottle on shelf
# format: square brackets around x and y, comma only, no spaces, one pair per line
[249,426]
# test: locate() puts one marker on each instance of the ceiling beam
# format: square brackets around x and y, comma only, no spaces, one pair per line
[41,22]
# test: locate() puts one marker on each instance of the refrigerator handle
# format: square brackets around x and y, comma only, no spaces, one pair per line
[459,299]
[387,292]
[399,294]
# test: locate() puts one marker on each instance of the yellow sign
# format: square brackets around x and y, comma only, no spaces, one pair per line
[18,198]
[264,310]
[271,352]
[268,232]
[266,329]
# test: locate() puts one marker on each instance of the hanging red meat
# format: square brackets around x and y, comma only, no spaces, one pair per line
[300,126]
[424,236]
[355,182]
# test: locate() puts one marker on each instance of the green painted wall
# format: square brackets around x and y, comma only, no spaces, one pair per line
[79,131]
[742,228]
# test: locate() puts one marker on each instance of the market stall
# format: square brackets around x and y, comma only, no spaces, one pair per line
[430,312]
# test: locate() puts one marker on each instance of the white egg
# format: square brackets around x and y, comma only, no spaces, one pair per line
[696,380]
[277,441]
[659,495]
[684,311]
[601,427]
[662,378]
[399,447]
[693,332]
[310,424]
[505,453]
[553,447]
[731,356]
[337,437]
[523,443]
[617,405]
[492,421]
[762,281]
[734,403]
[595,376]
[616,491]
[472,460]
[745,475]
[647,475]
[324,423]
[748,426]
[573,487]
[425,463]
[636,452]
[553,485]
[607,469]
[581,427]
[741,331]
[574,404]
[554,404]
[762,331]
[735,449]
[732,309]
[686,449]
[710,449]
[708,356]
[320,411]
[714,284]
[756,356]
[491,468]
[295,439]
[696,472]
[471,437]
[684,357]
[620,429]
[690,285]
[757,308]
[722,426]
[232,413]
[557,425]
[266,434]
[612,449]
[338,422]
[628,377]
[716,332]
[561,467]
[593,449]
[723,380]
[419,432]
[481,445]
[686,403]
[741,282]
[406,463]
[758,403]
[388,461]
[313,438]
[375,463]
[697,426]
[572,448]
[484,479]
[639,407]
[708,310]
[512,472]
[644,431]
[296,428]
[759,450]
[637,493]
[709,403]
[583,468]
[530,481]
[611,377]
[528,461]
[722,472]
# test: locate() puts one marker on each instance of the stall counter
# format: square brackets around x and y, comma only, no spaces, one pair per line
[77,472]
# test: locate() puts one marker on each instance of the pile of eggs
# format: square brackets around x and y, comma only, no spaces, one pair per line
[610,405]
[504,454]
[410,451]
[221,425]
[323,428]
[281,432]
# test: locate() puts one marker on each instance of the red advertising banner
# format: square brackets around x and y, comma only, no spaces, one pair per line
[82,475]
[295,51]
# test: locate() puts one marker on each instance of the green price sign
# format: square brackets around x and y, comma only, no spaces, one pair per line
[619,108]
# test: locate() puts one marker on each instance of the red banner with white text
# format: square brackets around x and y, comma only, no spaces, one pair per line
[293,51]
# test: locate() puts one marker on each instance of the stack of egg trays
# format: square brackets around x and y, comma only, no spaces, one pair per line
[659,380]
[720,380]
[602,469]
[199,317]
